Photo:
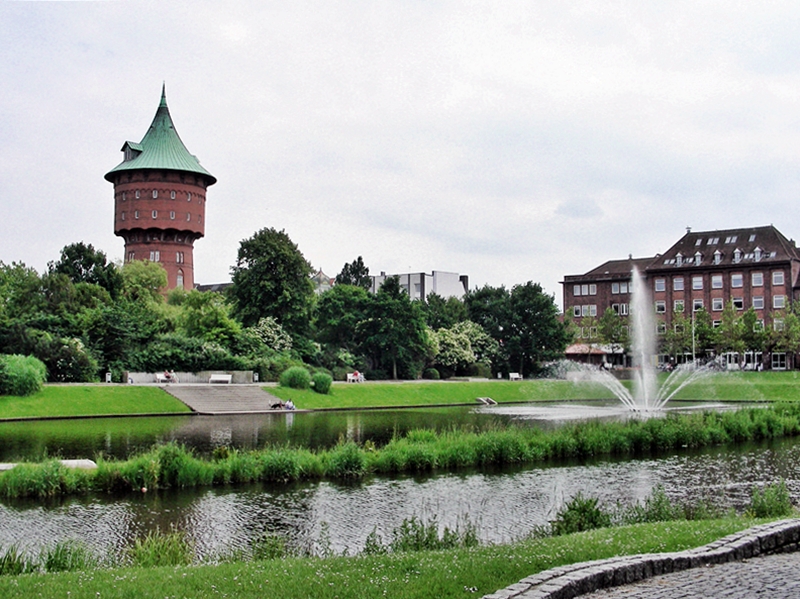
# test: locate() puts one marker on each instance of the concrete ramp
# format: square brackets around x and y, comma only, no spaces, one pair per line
[224,399]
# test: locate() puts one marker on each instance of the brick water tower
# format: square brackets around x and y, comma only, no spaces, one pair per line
[160,199]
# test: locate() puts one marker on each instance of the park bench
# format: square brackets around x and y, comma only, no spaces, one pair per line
[163,378]
[352,377]
[514,376]
[220,378]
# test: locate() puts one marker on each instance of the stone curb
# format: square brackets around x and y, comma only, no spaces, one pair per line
[573,580]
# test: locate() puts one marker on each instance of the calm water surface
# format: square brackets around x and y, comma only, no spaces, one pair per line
[504,504]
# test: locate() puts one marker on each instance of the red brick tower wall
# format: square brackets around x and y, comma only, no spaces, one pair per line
[160,214]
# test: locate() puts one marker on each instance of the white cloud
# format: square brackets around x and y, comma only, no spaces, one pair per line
[511,142]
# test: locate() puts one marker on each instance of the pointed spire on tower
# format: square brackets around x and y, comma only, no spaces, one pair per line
[163,95]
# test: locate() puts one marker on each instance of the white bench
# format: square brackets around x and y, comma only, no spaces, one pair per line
[352,377]
[220,378]
[163,378]
[514,376]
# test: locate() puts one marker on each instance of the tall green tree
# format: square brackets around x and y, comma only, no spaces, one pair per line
[355,273]
[443,313]
[536,335]
[394,332]
[338,313]
[272,278]
[84,264]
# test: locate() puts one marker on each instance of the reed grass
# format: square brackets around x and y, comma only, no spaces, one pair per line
[174,466]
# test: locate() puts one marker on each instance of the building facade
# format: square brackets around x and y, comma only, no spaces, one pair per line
[756,267]
[160,199]
[419,285]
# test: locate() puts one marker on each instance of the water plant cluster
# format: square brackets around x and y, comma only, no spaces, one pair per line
[174,466]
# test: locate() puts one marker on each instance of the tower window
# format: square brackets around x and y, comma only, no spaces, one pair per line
[138,194]
[136,214]
[172,195]
[179,257]
[189,196]
[131,256]
[179,280]
[122,216]
[188,217]
[123,196]
[155,213]
[172,215]
[155,194]
[155,256]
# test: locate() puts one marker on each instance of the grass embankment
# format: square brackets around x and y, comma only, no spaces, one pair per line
[421,575]
[738,386]
[415,393]
[91,400]
[419,451]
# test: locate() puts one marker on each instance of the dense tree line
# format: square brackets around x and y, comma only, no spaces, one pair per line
[85,316]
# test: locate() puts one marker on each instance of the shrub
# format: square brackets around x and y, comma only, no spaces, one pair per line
[322,382]
[771,501]
[21,375]
[431,374]
[269,546]
[580,513]
[296,377]
[67,556]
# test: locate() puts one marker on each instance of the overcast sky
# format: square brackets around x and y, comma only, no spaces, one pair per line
[509,141]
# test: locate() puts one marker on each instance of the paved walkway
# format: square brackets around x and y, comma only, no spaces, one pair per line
[224,399]
[769,576]
[762,561]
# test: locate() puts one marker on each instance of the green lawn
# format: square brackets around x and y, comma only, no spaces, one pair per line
[412,393]
[426,574]
[91,400]
[738,386]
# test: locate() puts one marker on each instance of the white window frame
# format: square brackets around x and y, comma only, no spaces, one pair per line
[778,302]
[758,302]
[678,306]
[677,284]
[697,304]
[661,307]
[737,280]
[738,303]
[757,279]
[697,282]
[716,281]
[777,277]
[660,285]
[717,304]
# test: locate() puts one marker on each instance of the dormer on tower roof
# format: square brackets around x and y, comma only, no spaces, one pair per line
[161,148]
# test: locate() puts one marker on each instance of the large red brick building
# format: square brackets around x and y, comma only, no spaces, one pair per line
[756,267]
[160,199]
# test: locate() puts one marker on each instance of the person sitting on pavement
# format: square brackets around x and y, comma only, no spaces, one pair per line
[289,405]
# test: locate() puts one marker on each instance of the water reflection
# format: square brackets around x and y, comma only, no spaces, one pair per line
[120,437]
[505,504]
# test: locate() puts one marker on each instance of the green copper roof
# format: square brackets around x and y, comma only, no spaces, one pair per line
[160,148]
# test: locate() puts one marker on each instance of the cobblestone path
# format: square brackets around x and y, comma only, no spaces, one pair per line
[771,576]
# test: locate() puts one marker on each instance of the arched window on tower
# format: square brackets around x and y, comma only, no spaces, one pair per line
[179,280]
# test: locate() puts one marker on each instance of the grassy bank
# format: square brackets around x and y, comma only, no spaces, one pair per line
[414,393]
[426,574]
[418,451]
[91,400]
[738,386]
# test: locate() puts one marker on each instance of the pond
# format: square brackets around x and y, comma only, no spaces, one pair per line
[121,437]
[504,504]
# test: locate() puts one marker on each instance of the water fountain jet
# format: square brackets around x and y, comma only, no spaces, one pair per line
[646,393]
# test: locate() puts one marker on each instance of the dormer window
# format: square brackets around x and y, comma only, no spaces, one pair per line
[717,257]
[737,255]
[757,254]
[730,239]
[698,258]
[752,238]
[678,259]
